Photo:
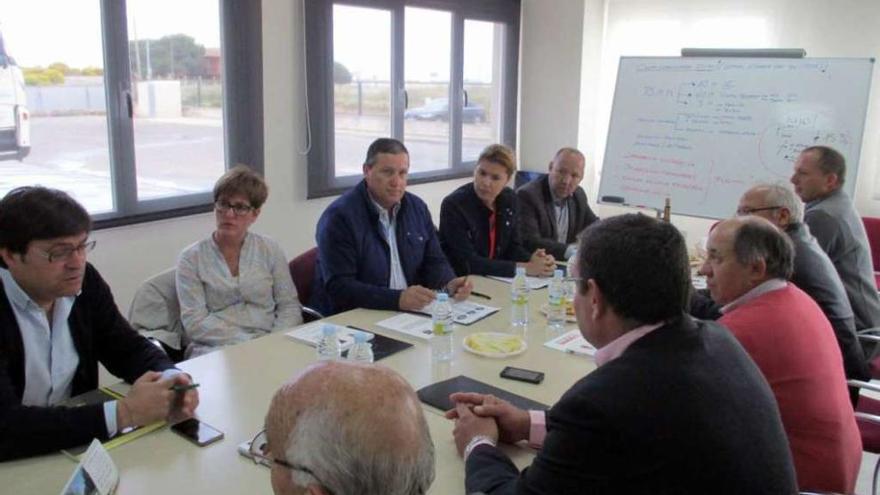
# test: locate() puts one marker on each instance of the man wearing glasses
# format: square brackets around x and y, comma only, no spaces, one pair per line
[57,321]
[813,271]
[346,429]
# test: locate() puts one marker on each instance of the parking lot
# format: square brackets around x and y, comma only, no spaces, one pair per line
[185,155]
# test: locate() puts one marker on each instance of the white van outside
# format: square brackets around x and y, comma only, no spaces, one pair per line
[15,120]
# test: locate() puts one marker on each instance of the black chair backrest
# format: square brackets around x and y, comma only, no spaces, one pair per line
[523,177]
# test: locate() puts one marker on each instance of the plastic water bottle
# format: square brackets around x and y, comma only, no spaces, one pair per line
[441,319]
[556,304]
[571,286]
[519,299]
[328,346]
[361,351]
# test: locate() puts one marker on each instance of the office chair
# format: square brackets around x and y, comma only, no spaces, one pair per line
[155,314]
[302,271]
[872,228]
[868,420]
[523,177]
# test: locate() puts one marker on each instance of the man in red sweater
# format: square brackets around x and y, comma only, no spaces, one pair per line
[791,341]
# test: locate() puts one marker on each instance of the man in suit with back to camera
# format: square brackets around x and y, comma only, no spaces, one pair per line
[553,209]
[377,245]
[819,174]
[57,321]
[674,406]
[813,271]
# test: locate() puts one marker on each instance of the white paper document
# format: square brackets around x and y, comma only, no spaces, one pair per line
[571,342]
[534,282]
[465,312]
[409,324]
[311,333]
[95,474]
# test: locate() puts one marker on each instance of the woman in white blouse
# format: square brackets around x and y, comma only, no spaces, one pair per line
[235,285]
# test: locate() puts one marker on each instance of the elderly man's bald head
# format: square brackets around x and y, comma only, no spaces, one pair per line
[357,428]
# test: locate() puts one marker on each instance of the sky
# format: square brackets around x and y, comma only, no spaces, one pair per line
[40,32]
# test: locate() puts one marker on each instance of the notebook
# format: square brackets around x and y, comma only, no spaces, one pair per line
[437,394]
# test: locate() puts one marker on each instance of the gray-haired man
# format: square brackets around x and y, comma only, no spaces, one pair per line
[347,429]
[813,271]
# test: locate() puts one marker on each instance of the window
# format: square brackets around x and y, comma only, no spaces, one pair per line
[439,75]
[128,105]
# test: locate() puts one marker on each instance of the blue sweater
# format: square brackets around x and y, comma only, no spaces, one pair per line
[354,261]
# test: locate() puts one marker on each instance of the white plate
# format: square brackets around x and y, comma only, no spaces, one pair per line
[494,354]
[569,318]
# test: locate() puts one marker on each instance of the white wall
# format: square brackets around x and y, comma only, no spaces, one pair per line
[550,72]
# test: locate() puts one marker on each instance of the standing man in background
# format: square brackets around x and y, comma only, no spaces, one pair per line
[819,173]
[553,210]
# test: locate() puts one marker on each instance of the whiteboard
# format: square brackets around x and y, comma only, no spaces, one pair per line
[701,131]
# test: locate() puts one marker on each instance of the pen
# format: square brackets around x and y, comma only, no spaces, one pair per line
[183,388]
[480,294]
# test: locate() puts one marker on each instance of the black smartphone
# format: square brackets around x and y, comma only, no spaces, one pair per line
[522,375]
[197,432]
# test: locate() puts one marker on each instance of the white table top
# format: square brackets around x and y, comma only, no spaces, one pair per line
[237,384]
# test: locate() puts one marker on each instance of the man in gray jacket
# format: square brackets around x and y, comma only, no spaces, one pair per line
[813,271]
[818,178]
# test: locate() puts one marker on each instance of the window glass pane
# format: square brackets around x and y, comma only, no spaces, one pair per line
[361,83]
[53,123]
[174,48]
[482,71]
[427,42]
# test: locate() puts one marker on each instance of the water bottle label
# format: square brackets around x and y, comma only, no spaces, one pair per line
[440,328]
[520,299]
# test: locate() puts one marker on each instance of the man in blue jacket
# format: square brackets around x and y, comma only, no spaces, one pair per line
[377,245]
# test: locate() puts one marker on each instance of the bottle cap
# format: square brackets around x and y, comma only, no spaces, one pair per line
[442,297]
[520,270]
[557,273]
[328,330]
[360,337]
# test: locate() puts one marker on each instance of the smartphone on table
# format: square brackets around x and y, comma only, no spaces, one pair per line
[522,375]
[197,432]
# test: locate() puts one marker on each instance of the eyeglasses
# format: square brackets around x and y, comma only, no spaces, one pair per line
[748,211]
[237,209]
[64,253]
[258,452]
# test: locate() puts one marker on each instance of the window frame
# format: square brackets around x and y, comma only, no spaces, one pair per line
[322,180]
[242,79]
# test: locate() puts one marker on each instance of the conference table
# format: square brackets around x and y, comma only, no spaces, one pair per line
[237,384]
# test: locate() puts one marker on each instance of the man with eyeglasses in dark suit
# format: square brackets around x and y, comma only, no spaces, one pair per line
[57,321]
